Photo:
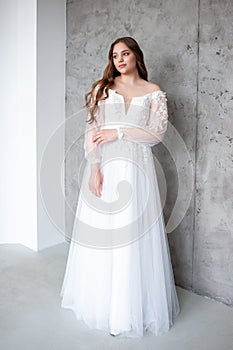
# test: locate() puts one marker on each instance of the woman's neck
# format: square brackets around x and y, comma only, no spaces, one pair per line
[128,79]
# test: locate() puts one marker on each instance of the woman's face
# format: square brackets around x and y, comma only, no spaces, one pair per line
[123,58]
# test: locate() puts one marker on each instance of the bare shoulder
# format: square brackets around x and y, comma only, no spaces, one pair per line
[153,87]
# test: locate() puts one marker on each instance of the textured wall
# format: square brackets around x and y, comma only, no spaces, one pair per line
[213,239]
[187,52]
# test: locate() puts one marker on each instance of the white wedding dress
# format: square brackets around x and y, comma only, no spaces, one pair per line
[119,276]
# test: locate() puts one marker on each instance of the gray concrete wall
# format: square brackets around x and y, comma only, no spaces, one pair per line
[213,239]
[188,51]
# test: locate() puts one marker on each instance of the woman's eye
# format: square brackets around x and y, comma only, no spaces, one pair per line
[125,53]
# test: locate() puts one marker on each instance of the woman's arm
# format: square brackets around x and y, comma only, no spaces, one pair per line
[154,131]
[91,149]
[151,134]
[92,153]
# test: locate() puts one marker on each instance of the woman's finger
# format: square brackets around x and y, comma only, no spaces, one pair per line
[98,187]
[97,138]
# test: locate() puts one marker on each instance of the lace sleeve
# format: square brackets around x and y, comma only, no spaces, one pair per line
[91,150]
[156,125]
[92,153]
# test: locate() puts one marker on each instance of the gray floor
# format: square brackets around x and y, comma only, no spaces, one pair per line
[31,316]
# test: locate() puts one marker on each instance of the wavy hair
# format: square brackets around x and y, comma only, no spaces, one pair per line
[107,81]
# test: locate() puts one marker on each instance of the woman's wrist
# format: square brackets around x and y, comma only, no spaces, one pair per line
[95,166]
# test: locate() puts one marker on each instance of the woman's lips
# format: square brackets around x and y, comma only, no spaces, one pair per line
[122,65]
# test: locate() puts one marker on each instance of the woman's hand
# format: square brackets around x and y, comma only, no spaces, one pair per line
[95,181]
[104,135]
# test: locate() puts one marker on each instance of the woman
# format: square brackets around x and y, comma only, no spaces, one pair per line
[119,276]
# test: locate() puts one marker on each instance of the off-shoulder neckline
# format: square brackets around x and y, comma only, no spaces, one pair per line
[135,97]
[150,93]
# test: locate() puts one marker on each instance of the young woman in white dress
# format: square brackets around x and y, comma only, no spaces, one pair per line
[119,276]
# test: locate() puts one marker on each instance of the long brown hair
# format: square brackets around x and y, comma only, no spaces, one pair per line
[110,72]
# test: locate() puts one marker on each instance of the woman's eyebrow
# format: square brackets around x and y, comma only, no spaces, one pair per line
[121,51]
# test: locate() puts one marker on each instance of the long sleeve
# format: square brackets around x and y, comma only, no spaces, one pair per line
[92,150]
[153,132]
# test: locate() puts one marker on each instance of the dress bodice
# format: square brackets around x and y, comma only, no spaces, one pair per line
[144,124]
[113,109]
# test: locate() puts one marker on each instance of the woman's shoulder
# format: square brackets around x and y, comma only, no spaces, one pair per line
[152,87]
[156,91]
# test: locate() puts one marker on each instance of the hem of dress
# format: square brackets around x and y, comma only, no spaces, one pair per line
[132,333]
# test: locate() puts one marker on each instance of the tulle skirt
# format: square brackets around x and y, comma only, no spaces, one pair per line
[118,275]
